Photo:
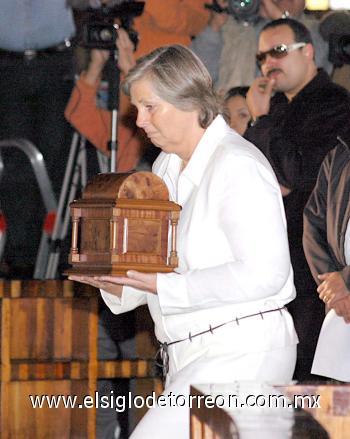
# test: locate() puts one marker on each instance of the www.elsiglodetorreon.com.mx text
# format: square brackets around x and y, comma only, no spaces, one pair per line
[120,403]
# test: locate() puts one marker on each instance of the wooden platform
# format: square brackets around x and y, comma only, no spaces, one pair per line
[48,336]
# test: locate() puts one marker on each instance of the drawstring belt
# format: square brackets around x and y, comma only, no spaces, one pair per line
[163,351]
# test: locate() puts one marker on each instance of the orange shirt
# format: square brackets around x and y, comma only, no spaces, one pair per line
[162,23]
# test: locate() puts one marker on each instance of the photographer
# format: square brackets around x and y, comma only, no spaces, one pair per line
[228,45]
[161,23]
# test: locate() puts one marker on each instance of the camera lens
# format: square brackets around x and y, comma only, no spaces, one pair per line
[106,35]
[246,10]
[243,4]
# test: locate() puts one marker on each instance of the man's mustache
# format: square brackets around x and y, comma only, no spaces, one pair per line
[269,72]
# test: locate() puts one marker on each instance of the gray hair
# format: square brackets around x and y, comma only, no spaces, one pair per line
[180,78]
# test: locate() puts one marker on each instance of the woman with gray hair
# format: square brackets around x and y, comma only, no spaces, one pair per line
[221,316]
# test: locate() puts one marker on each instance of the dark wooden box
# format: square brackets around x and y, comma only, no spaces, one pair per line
[122,222]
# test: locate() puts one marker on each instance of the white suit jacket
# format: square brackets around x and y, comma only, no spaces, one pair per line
[232,242]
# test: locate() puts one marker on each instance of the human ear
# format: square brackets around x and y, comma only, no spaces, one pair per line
[309,51]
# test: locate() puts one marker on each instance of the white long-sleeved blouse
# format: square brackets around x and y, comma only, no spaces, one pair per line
[232,241]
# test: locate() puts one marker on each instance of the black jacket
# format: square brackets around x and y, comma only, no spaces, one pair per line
[327,214]
[295,137]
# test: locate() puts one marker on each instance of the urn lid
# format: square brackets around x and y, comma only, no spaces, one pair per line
[135,185]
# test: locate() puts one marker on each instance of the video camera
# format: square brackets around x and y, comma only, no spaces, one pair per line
[334,28]
[241,10]
[339,49]
[100,28]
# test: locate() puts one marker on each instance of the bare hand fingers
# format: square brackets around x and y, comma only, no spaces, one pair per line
[342,308]
[323,276]
[134,279]
[322,288]
[261,84]
[88,280]
[124,40]
[347,310]
[115,280]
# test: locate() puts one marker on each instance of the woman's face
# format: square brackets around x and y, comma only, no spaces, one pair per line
[239,113]
[166,126]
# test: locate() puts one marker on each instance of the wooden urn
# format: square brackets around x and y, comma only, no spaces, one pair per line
[123,222]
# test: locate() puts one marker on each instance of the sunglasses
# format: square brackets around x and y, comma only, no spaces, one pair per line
[277,52]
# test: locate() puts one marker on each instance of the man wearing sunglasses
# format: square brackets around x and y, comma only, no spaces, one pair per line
[227,46]
[297,113]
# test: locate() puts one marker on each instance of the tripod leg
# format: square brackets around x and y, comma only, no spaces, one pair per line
[55,256]
[114,141]
[102,162]
[64,229]
[70,182]
[83,166]
[43,256]
[2,219]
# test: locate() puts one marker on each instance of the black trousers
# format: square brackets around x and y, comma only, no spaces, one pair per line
[308,314]
[33,96]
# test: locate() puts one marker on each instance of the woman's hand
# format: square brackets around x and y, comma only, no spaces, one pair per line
[111,287]
[142,281]
[114,284]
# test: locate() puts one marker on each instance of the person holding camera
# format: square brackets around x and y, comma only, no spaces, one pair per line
[173,21]
[227,46]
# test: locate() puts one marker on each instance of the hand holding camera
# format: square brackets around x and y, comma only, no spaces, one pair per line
[218,15]
[104,37]
[270,9]
[99,58]
[126,58]
[249,11]
[241,10]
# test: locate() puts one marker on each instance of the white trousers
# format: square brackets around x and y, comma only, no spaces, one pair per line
[273,366]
